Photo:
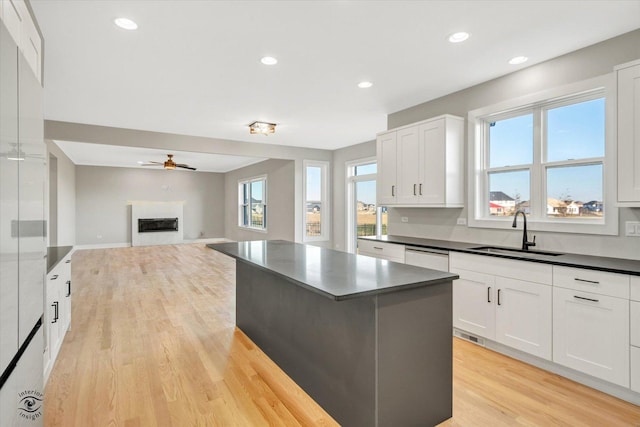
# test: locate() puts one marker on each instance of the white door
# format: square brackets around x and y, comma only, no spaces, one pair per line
[431,188]
[523,316]
[591,334]
[387,164]
[409,165]
[473,303]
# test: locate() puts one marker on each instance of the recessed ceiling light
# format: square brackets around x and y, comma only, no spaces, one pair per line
[518,60]
[126,23]
[269,60]
[365,85]
[458,37]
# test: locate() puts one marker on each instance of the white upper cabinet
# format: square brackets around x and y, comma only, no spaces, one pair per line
[18,20]
[422,164]
[628,76]
[386,186]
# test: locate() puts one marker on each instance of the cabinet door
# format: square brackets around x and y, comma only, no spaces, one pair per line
[409,165]
[52,318]
[473,303]
[431,189]
[387,164]
[629,134]
[32,263]
[523,316]
[8,198]
[591,334]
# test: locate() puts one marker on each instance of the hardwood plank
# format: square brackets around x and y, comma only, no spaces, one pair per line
[153,343]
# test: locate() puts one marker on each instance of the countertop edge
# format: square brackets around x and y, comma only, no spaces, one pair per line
[568,261]
[374,292]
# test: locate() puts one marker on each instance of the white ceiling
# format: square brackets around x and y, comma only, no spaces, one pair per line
[82,153]
[193,67]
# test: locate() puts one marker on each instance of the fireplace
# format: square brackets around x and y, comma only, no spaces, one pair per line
[151,225]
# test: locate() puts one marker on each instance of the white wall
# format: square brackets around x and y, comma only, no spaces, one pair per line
[281,209]
[580,65]
[66,194]
[103,196]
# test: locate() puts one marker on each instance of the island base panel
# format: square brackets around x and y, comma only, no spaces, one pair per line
[338,351]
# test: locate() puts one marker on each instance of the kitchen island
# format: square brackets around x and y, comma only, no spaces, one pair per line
[368,339]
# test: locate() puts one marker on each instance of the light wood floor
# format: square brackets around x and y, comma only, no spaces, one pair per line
[153,343]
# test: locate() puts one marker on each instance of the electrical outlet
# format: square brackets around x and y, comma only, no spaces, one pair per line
[461,221]
[404,219]
[632,228]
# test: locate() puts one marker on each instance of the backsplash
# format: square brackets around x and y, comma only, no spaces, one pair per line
[435,223]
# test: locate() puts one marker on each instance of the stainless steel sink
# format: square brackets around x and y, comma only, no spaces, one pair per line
[514,252]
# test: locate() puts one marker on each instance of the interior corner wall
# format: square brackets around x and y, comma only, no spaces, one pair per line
[280,201]
[339,182]
[592,61]
[66,194]
[103,196]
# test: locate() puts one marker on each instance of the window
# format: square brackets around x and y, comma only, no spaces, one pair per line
[547,157]
[316,207]
[364,217]
[252,195]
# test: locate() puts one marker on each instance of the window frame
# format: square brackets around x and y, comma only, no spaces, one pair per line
[325,205]
[245,185]
[539,103]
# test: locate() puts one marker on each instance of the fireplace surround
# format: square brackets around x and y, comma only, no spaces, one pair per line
[153,225]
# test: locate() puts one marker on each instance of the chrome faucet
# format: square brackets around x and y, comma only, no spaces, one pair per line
[525,242]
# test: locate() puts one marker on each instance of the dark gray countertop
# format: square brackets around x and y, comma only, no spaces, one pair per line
[336,275]
[613,265]
[55,255]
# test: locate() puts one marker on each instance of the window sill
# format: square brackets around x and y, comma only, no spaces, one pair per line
[257,230]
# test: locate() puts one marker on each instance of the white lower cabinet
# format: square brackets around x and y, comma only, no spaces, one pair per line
[591,334]
[493,304]
[635,369]
[523,316]
[57,311]
[382,250]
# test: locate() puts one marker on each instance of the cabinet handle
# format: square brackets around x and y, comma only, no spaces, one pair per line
[586,281]
[420,189]
[586,299]
[55,313]
[499,297]
[375,247]
[414,190]
[393,191]
[67,261]
[68,288]
[54,277]
[488,293]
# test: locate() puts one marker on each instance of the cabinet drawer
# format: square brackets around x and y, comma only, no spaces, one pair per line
[635,369]
[514,269]
[634,322]
[390,251]
[635,288]
[598,282]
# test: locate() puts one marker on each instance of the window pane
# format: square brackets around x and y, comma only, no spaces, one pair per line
[508,191]
[257,215]
[576,131]
[511,141]
[314,219]
[366,210]
[575,192]
[314,183]
[366,169]
[257,191]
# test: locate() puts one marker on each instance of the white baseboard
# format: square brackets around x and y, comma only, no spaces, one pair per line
[128,244]
[102,246]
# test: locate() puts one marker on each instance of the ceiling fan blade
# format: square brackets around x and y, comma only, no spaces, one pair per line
[183,166]
[151,164]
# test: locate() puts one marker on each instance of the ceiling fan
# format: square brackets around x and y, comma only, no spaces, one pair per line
[169,164]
